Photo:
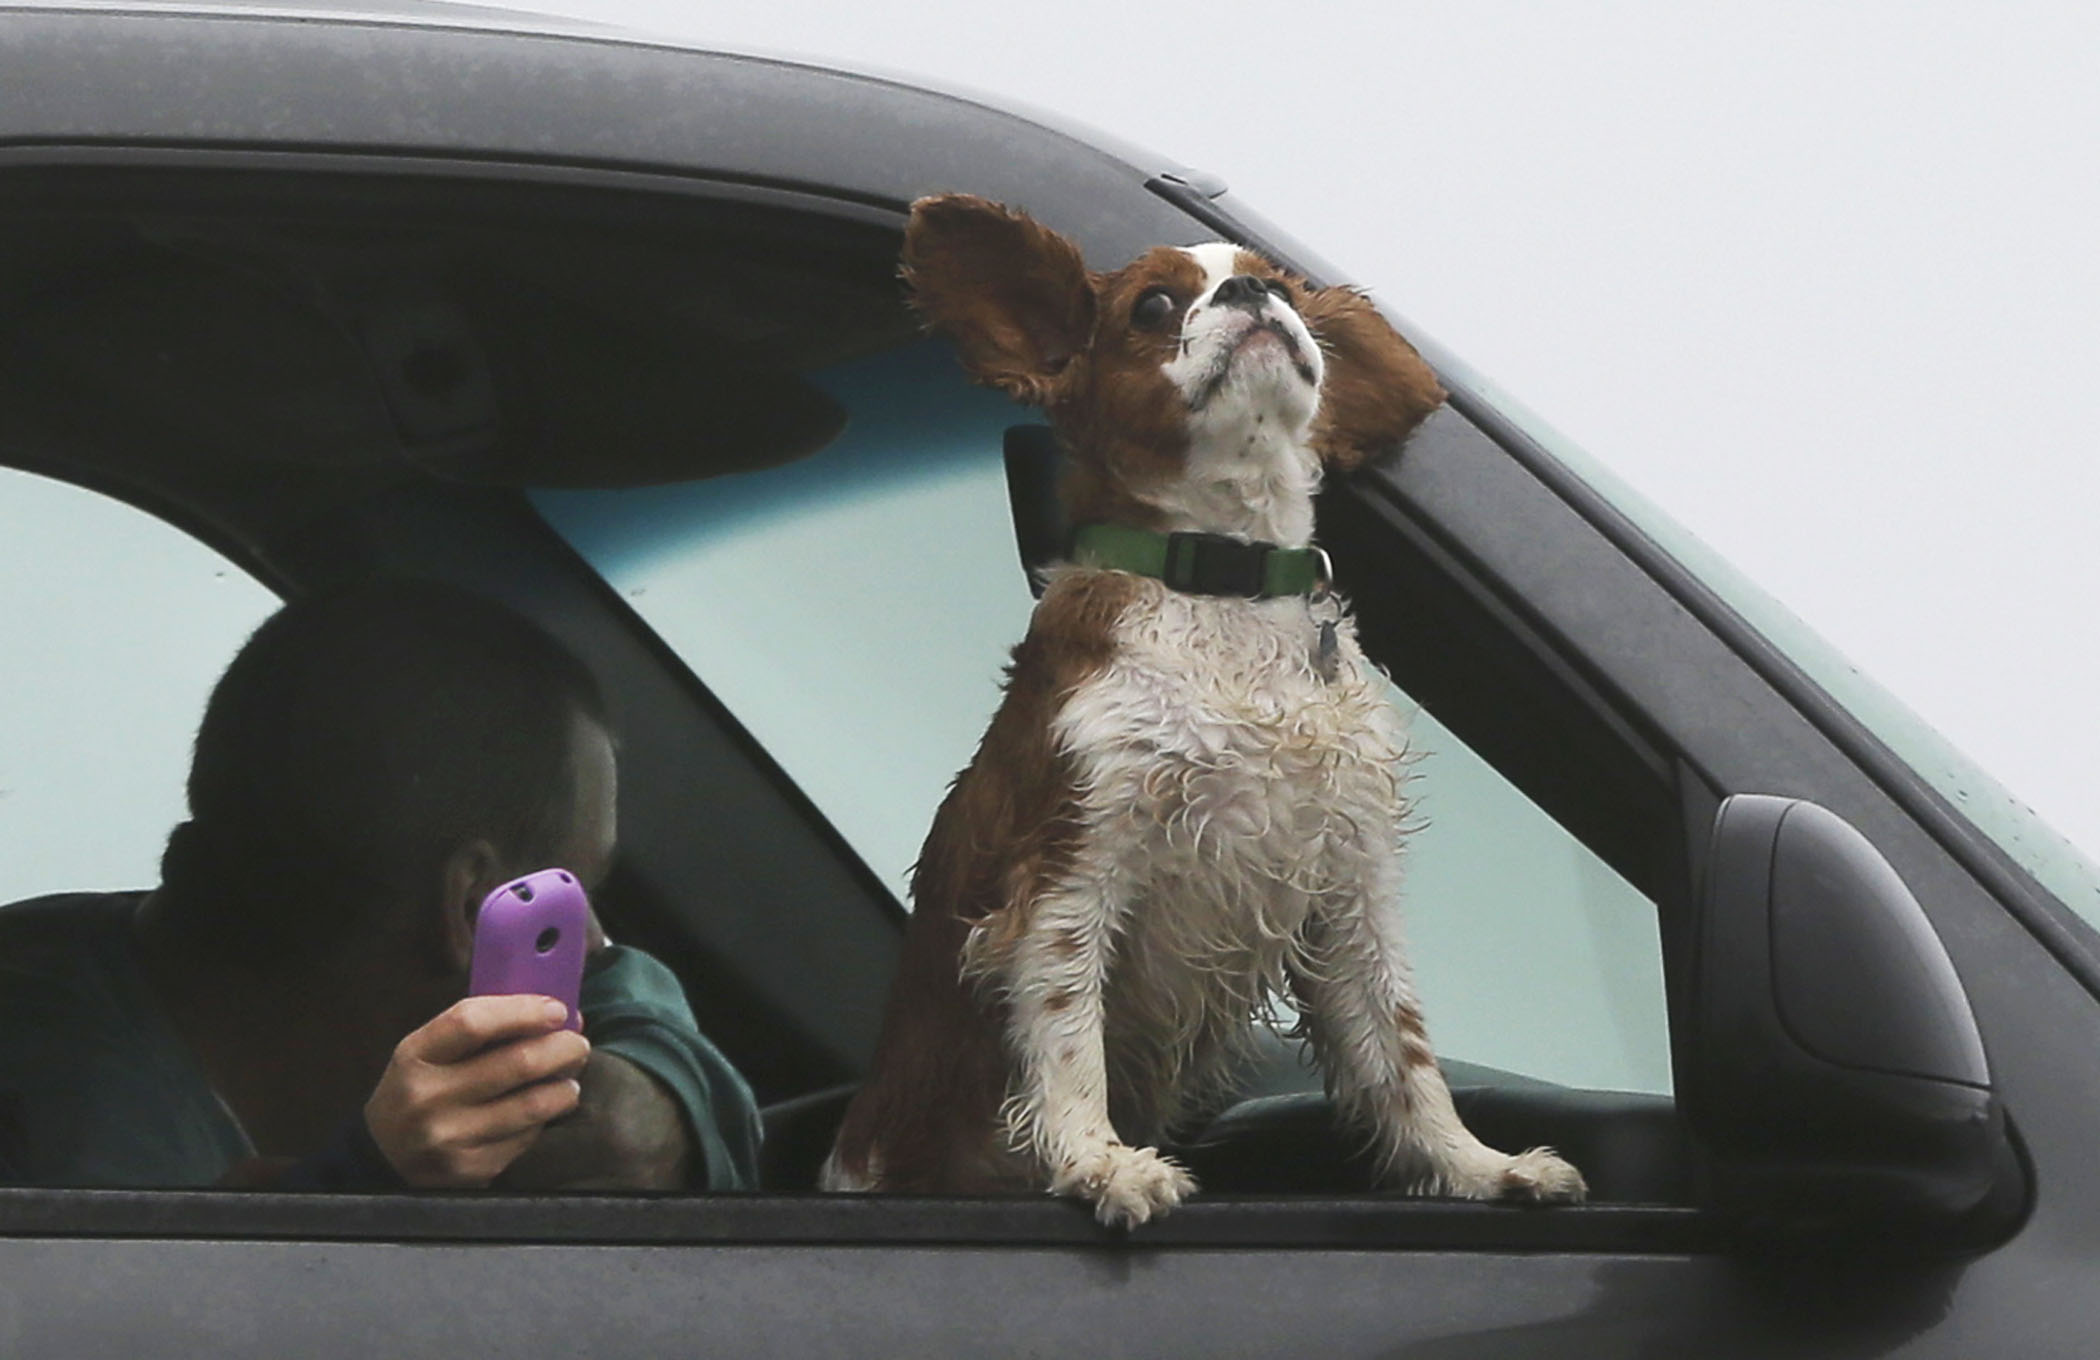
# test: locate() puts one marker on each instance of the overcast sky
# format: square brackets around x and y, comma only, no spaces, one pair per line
[1821,280]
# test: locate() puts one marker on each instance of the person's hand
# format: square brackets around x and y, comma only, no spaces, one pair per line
[468,1092]
[627,1134]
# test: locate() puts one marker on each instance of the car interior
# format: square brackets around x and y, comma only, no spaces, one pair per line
[327,376]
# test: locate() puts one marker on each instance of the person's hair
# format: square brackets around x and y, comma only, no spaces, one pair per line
[358,739]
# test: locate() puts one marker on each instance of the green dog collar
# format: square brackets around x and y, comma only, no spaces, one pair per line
[1204,564]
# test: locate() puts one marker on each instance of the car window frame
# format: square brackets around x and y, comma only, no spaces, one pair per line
[1217,1220]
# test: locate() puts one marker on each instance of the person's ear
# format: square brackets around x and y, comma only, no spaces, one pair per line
[470,874]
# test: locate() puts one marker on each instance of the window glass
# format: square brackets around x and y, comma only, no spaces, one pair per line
[2060,866]
[1532,954]
[118,624]
[855,609]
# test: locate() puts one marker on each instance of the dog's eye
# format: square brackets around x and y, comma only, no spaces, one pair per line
[1280,289]
[1152,309]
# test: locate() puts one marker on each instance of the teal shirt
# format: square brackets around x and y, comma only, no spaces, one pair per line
[96,1088]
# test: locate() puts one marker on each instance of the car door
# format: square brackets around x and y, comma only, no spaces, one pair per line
[1587,703]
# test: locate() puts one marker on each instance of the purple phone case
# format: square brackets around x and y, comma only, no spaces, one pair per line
[529,939]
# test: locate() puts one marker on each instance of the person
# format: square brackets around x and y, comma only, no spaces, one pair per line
[288,1006]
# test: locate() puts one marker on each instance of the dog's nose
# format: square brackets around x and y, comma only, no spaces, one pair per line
[1241,290]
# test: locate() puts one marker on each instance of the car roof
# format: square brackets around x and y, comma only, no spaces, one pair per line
[427,13]
[439,79]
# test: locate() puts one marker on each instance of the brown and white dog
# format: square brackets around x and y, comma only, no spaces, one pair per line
[1188,805]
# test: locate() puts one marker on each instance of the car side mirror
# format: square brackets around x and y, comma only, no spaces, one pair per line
[1836,1074]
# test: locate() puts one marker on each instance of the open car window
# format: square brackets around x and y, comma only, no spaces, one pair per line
[854,610]
[705,445]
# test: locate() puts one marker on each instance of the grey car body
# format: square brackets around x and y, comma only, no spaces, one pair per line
[1611,682]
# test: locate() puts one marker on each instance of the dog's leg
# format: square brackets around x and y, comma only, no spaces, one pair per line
[1366,1024]
[1059,1108]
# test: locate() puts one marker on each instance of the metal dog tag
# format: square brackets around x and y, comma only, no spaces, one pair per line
[1326,652]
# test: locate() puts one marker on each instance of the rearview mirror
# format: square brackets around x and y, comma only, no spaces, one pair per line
[1835,1071]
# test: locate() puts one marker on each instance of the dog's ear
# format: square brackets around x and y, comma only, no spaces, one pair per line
[1014,296]
[1377,388]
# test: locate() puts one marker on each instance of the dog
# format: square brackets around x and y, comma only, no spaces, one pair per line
[1188,805]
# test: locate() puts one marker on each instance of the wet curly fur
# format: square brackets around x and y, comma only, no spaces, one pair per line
[1188,810]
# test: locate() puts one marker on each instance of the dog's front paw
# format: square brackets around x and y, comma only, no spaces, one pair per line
[1126,1185]
[1539,1176]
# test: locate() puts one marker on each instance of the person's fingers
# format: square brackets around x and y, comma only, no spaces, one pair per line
[507,1067]
[469,1092]
[458,1134]
[473,1024]
[504,1120]
[449,1144]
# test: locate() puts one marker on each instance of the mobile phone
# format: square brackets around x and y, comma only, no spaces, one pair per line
[529,940]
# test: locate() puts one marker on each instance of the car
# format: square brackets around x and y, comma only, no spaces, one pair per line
[609,329]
